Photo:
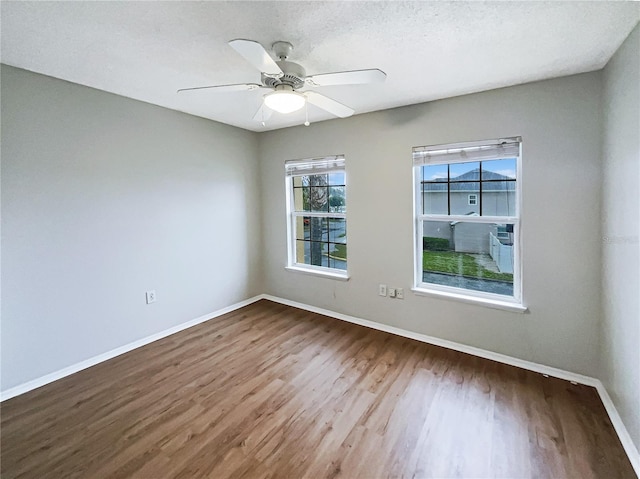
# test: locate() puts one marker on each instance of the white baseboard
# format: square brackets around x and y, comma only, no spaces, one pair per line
[463,348]
[623,434]
[618,425]
[87,363]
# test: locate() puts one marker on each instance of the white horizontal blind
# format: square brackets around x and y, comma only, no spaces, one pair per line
[314,166]
[471,151]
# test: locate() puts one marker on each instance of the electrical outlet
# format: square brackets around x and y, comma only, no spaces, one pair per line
[151,296]
[399,293]
[392,292]
[382,289]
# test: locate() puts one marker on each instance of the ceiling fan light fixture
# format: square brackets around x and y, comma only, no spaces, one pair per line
[285,100]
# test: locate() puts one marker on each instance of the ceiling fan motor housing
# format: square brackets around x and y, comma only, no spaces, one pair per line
[293,76]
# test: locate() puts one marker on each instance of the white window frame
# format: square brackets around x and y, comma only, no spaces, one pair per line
[464,153]
[472,200]
[293,168]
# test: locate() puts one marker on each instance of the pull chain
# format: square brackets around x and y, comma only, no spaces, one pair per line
[306,114]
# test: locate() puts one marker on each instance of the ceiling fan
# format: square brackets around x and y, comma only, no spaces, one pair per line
[285,79]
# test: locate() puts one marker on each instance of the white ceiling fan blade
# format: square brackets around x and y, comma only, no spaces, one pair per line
[255,54]
[263,113]
[327,104]
[225,88]
[355,77]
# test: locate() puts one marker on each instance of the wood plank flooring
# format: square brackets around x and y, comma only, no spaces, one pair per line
[270,391]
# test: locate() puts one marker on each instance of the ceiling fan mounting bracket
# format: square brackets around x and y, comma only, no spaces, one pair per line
[282,50]
[293,75]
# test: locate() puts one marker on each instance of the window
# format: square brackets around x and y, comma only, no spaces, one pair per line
[467,221]
[316,210]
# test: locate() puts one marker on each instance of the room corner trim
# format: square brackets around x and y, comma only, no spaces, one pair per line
[87,363]
[621,430]
[618,425]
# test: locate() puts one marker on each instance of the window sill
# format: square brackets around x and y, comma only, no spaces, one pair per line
[318,272]
[489,303]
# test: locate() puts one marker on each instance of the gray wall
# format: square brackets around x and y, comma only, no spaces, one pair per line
[561,126]
[104,198]
[620,343]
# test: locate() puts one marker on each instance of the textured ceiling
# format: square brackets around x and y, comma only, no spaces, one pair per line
[429,50]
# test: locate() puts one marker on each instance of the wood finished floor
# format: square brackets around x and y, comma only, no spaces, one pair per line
[271,391]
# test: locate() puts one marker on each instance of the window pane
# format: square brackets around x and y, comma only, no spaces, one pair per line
[338,230]
[499,198]
[302,252]
[319,245]
[434,173]
[318,229]
[302,227]
[318,254]
[336,179]
[319,198]
[499,169]
[468,255]
[338,256]
[317,180]
[437,235]
[312,252]
[459,198]
[301,199]
[435,189]
[435,198]
[465,171]
[337,200]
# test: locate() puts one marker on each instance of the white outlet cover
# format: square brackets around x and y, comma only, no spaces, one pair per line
[151,297]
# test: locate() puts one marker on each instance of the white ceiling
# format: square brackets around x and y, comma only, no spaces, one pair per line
[429,50]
